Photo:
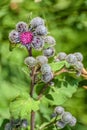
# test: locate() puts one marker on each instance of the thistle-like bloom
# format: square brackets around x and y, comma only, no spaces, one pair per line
[29,36]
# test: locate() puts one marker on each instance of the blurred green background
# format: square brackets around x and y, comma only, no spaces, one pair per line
[66,20]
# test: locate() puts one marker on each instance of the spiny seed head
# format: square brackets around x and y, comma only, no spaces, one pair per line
[71,58]
[14,36]
[41,30]
[78,66]
[61,56]
[37,43]
[59,110]
[47,77]
[21,27]
[50,40]
[60,124]
[73,121]
[30,61]
[79,56]
[45,68]
[36,22]
[49,52]
[67,117]
[42,60]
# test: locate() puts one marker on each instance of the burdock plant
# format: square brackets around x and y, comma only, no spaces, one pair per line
[53,80]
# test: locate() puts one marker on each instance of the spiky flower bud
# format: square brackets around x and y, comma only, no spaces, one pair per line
[61,56]
[59,110]
[47,77]
[21,27]
[45,68]
[37,43]
[14,36]
[73,121]
[30,61]
[67,117]
[60,124]
[49,52]
[71,58]
[36,22]
[41,30]
[78,66]
[50,40]
[42,60]
[79,56]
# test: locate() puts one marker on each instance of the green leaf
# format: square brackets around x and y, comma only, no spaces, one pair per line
[62,94]
[1,120]
[11,46]
[23,106]
[57,65]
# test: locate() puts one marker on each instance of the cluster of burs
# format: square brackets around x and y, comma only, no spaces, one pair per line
[64,118]
[74,60]
[16,123]
[41,62]
[44,69]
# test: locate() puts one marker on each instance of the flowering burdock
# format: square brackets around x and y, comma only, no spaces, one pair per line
[33,35]
[46,83]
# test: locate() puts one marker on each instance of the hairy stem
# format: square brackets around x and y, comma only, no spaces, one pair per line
[32,121]
[31,94]
[32,81]
[29,51]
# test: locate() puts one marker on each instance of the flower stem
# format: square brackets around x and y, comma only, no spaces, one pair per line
[29,51]
[32,120]
[31,94]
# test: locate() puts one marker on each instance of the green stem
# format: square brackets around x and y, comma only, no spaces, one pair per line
[48,124]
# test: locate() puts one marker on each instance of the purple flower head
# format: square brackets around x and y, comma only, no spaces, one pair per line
[26,37]
[29,36]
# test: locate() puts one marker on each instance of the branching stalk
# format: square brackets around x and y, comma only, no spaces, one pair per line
[32,123]
[48,124]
